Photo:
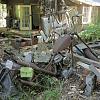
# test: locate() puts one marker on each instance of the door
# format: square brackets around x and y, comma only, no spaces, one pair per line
[25,17]
[36,15]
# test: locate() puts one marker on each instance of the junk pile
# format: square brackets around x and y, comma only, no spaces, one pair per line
[62,61]
[27,60]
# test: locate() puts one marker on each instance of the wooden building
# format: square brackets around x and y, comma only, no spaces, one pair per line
[28,12]
[90,9]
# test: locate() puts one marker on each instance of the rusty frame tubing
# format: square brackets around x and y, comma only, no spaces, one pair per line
[80,37]
[86,45]
[72,60]
[30,83]
[32,65]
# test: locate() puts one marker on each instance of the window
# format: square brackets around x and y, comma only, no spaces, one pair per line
[24,12]
[3,14]
[86,19]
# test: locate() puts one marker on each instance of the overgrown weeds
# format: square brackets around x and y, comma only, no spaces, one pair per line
[91,32]
[46,88]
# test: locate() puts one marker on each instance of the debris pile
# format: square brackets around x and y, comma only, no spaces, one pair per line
[27,65]
[25,61]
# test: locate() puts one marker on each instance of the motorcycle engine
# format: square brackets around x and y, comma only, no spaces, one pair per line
[66,59]
[58,58]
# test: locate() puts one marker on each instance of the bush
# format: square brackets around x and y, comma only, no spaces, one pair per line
[91,32]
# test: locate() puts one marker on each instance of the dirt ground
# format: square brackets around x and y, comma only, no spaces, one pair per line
[72,90]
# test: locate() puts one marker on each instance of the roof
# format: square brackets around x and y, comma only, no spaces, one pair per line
[90,2]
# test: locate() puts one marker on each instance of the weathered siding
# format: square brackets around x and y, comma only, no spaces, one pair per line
[98,14]
[94,15]
[11,4]
[79,26]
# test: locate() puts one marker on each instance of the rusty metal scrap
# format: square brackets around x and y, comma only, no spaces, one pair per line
[90,84]
[62,43]
[32,65]
[89,55]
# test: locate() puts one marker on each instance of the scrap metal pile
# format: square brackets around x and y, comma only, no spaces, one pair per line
[60,58]
[63,60]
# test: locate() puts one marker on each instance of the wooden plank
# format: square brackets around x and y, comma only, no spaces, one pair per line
[96,51]
[84,65]
[92,45]
[96,71]
[86,60]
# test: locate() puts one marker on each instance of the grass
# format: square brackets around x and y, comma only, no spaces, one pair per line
[91,32]
[51,92]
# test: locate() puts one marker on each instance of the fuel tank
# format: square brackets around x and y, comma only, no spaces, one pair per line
[62,43]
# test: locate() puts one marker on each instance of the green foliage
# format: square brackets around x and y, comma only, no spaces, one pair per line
[91,32]
[52,94]
[54,89]
[50,90]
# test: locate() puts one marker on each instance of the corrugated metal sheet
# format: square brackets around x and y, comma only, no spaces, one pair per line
[89,2]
